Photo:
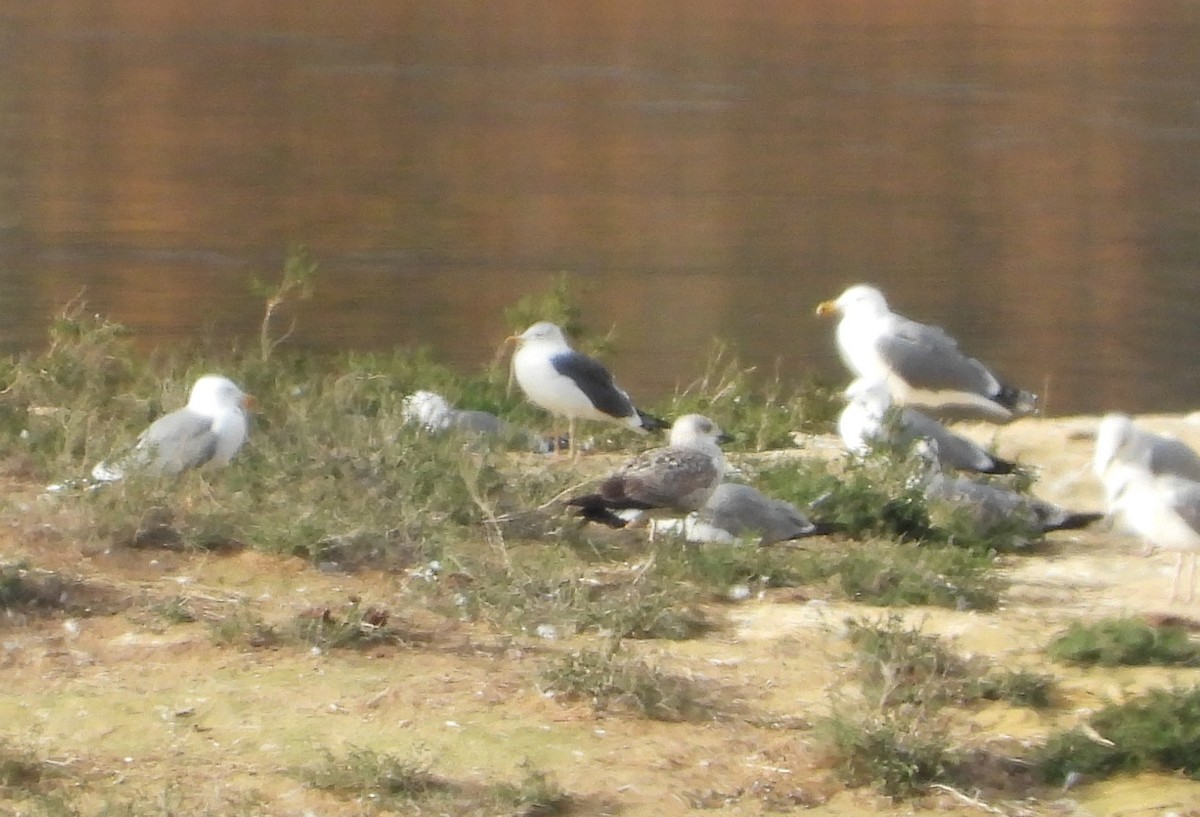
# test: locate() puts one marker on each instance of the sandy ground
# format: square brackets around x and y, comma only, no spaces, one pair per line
[140,710]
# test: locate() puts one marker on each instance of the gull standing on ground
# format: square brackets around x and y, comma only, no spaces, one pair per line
[571,384]
[1122,446]
[678,478]
[1164,510]
[209,430]
[734,510]
[921,364]
[865,421]
[1125,452]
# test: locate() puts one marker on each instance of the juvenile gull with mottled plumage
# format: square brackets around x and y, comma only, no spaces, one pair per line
[921,364]
[988,506]
[570,384]
[676,479]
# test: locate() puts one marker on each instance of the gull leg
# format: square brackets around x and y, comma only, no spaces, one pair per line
[1191,576]
[572,443]
[1175,578]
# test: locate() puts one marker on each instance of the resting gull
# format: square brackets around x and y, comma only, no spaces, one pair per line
[571,384]
[865,421]
[209,430]
[988,506]
[434,413]
[921,364]
[1164,510]
[735,510]
[677,478]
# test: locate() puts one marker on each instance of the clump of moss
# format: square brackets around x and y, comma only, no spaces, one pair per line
[1156,731]
[1124,642]
[898,740]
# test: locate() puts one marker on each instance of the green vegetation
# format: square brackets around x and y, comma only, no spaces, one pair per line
[1125,642]
[1156,731]
[895,738]
[609,680]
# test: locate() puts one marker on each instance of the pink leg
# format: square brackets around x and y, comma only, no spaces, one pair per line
[1175,578]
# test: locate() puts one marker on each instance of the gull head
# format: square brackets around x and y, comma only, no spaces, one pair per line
[428,408]
[542,332]
[693,430]
[860,299]
[213,394]
[1113,435]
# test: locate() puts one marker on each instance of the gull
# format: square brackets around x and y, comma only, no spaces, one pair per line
[435,415]
[921,364]
[987,506]
[208,431]
[865,421]
[1164,510]
[1122,446]
[571,384]
[1124,452]
[677,478]
[735,510]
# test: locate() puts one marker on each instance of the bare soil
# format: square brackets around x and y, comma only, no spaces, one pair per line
[138,709]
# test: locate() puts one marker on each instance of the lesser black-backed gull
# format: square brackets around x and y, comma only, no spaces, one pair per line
[865,421]
[921,364]
[209,430]
[570,384]
[677,478]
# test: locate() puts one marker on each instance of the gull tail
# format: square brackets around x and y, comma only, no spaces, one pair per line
[593,508]
[1074,521]
[1018,401]
[999,466]
[650,422]
[813,529]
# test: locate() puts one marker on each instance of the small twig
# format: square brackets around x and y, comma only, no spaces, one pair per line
[563,493]
[969,800]
[496,537]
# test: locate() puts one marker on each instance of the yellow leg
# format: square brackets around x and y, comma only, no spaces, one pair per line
[571,443]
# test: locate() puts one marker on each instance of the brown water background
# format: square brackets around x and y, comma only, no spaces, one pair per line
[1026,174]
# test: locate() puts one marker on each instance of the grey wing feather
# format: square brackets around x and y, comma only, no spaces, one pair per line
[740,508]
[986,505]
[479,422]
[1185,500]
[926,357]
[179,441]
[1169,456]
[595,381]
[953,451]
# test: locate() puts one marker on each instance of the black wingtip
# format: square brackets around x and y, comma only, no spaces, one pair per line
[999,467]
[592,508]
[1017,401]
[1075,521]
[650,422]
